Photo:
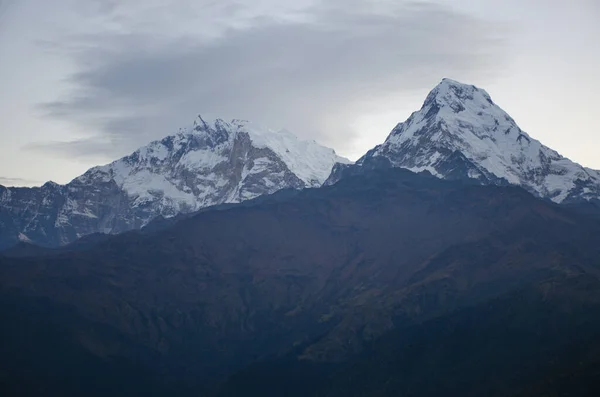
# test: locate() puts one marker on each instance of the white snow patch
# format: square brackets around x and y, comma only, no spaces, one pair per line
[159,151]
[202,159]
[146,185]
[86,212]
[24,238]
[429,168]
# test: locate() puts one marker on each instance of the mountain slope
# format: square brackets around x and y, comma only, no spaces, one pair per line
[460,133]
[206,164]
[542,340]
[319,272]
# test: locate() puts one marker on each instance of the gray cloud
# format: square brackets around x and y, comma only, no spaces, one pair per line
[312,73]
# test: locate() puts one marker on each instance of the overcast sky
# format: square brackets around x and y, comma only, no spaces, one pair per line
[83,82]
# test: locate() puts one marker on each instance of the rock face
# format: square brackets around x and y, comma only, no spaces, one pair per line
[205,164]
[460,133]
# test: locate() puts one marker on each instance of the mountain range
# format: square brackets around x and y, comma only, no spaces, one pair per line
[451,260]
[206,164]
[459,133]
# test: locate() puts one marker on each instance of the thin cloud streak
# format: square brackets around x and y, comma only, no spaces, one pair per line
[6,181]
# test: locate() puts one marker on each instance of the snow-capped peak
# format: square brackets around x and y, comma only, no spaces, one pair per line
[455,97]
[214,161]
[460,132]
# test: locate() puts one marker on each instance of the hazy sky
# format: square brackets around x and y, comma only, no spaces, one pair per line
[83,82]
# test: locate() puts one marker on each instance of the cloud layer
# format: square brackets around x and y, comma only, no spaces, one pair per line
[147,68]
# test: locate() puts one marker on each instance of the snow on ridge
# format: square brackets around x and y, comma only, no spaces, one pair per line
[308,160]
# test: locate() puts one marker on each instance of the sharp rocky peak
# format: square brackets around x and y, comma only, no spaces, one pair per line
[205,125]
[459,115]
[452,101]
[458,96]
[460,133]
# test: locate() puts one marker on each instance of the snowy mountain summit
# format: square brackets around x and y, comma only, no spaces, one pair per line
[215,162]
[459,133]
[207,163]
